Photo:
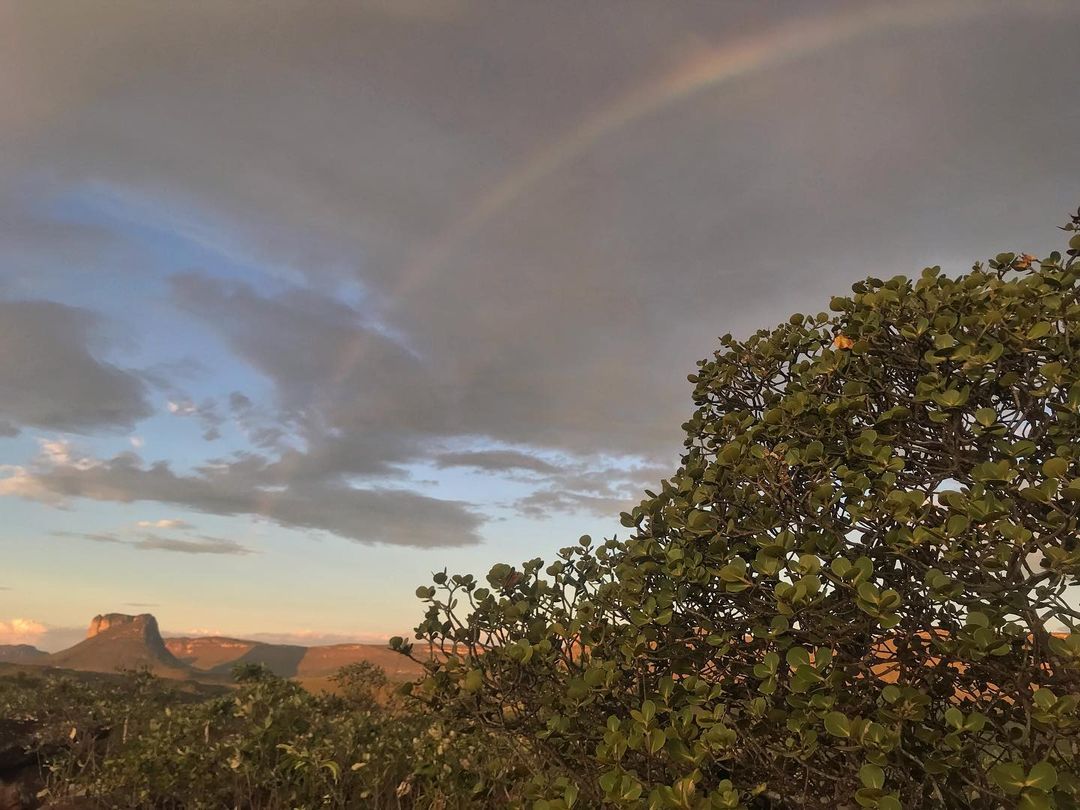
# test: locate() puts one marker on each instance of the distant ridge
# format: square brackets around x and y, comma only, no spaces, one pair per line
[21,654]
[218,654]
[117,641]
[120,641]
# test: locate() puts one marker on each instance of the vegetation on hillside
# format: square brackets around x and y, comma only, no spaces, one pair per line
[852,593]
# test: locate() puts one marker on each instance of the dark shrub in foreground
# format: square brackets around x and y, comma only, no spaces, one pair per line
[846,593]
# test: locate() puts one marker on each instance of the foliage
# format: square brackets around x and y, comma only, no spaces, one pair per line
[843,596]
[139,742]
[363,684]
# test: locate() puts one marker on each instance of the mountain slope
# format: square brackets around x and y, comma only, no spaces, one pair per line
[218,655]
[21,654]
[117,640]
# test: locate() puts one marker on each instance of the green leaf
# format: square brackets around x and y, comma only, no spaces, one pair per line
[1033,800]
[473,681]
[836,723]
[1039,330]
[1042,775]
[1009,776]
[1055,467]
[797,657]
[872,776]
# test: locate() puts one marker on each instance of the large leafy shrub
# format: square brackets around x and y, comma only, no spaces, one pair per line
[852,592]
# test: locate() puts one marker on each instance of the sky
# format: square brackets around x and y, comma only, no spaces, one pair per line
[299,304]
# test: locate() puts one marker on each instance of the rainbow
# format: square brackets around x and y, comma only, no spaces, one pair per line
[773,48]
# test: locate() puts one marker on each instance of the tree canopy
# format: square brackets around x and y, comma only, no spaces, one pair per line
[854,591]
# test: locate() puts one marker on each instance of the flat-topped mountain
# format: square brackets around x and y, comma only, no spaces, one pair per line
[122,641]
[119,641]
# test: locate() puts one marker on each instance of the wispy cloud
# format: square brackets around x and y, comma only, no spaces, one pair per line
[252,486]
[495,461]
[164,523]
[198,545]
[152,542]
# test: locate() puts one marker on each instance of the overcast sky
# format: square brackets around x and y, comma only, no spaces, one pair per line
[300,302]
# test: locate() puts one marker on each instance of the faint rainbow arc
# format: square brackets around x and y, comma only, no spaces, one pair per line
[781,45]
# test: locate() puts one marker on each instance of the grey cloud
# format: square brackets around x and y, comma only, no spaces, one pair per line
[495,461]
[200,545]
[141,604]
[49,378]
[544,502]
[148,541]
[318,351]
[512,278]
[377,515]
[601,490]
[239,402]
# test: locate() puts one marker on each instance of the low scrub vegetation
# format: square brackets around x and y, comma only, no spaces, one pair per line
[139,741]
[854,592]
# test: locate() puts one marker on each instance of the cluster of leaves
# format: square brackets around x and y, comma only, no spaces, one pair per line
[139,742]
[852,592]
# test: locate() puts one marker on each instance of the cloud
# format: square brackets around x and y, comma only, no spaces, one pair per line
[374,515]
[141,604]
[200,545]
[38,634]
[495,461]
[164,523]
[317,638]
[147,541]
[604,490]
[338,179]
[6,588]
[50,378]
[21,631]
[205,412]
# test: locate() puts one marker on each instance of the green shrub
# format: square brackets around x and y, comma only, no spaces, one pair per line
[139,742]
[845,594]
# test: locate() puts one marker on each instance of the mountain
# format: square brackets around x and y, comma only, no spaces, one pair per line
[117,640]
[21,654]
[120,641]
[218,655]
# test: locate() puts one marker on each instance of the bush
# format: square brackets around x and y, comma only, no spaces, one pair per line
[847,592]
[138,742]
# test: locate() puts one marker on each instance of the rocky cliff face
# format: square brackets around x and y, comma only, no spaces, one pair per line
[142,625]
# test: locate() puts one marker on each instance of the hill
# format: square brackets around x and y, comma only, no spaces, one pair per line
[217,655]
[119,641]
[21,654]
